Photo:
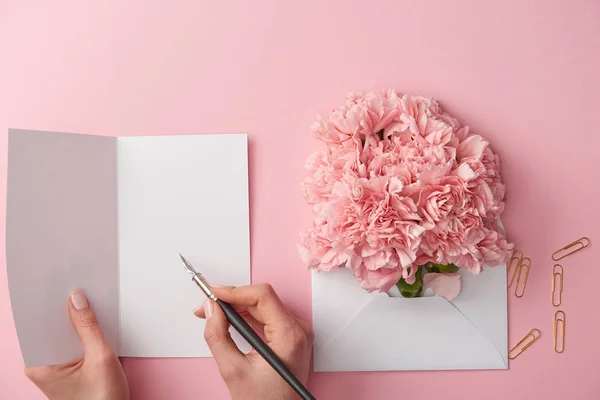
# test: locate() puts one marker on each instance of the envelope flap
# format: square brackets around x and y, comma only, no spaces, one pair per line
[483,301]
[360,331]
[337,298]
[408,334]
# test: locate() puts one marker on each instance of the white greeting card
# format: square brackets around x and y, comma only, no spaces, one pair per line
[109,216]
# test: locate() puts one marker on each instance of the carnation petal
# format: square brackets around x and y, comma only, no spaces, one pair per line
[446,285]
[333,259]
[471,147]
[354,262]
[381,280]
[306,257]
[406,257]
[465,172]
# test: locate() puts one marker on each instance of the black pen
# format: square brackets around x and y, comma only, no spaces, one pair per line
[249,334]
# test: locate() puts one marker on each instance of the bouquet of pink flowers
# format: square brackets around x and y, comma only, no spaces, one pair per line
[402,194]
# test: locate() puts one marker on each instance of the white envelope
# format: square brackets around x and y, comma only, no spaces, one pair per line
[360,331]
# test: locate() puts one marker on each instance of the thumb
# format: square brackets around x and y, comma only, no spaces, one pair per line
[230,360]
[86,325]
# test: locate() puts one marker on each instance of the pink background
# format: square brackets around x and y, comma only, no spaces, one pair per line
[522,73]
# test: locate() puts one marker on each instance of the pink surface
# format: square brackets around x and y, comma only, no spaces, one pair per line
[522,73]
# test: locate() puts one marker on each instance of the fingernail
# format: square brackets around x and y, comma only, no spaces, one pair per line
[217,285]
[78,300]
[208,308]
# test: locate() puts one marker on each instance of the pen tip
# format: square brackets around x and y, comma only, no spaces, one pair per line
[188,267]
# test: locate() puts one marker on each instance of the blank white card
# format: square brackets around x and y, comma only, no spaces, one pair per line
[110,216]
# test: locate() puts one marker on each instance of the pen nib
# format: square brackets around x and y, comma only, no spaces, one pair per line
[198,278]
[188,267]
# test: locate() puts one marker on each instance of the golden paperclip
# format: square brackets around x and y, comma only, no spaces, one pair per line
[557,275]
[513,265]
[559,319]
[533,335]
[574,247]
[525,266]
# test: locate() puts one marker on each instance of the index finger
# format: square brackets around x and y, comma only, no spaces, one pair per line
[260,301]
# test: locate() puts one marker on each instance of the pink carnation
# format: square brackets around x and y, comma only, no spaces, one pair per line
[401,183]
[326,168]
[494,248]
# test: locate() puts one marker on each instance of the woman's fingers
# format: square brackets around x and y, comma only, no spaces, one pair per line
[87,326]
[241,309]
[259,327]
[261,302]
[230,360]
[307,329]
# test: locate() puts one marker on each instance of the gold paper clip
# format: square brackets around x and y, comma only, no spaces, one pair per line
[533,335]
[525,265]
[579,244]
[513,265]
[559,319]
[557,271]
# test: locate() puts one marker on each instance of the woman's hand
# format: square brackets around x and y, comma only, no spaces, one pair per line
[250,376]
[98,376]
